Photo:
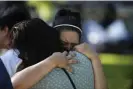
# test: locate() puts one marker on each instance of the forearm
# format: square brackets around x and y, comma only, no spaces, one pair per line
[31,75]
[100,79]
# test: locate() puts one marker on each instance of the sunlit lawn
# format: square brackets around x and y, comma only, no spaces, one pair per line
[118,70]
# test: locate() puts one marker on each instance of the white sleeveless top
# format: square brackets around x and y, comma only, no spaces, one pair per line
[11,61]
[82,76]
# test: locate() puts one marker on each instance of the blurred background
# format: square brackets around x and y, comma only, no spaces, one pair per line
[107,26]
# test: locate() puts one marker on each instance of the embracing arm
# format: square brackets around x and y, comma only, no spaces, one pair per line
[31,75]
[100,79]
[26,78]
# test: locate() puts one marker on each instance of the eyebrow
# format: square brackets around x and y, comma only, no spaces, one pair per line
[69,42]
[65,40]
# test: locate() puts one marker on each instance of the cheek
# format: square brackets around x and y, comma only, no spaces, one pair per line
[62,38]
[9,42]
[74,38]
[1,37]
[0,40]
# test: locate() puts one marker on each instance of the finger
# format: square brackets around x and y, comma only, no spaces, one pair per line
[72,53]
[65,53]
[69,57]
[72,61]
[68,68]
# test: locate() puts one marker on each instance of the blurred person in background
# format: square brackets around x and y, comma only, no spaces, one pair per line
[109,31]
[10,14]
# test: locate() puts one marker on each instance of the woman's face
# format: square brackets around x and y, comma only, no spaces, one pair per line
[4,38]
[69,39]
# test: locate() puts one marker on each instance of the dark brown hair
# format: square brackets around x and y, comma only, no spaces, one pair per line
[35,40]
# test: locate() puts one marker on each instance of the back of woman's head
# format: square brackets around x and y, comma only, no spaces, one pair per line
[35,40]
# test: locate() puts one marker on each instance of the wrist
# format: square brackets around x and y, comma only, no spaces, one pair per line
[50,62]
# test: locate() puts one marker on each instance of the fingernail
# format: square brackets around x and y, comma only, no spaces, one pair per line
[69,71]
[72,72]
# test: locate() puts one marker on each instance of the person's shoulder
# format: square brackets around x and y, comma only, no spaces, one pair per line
[11,61]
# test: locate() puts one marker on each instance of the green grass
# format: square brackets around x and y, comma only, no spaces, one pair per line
[118,70]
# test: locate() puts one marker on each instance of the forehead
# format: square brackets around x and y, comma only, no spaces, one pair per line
[69,36]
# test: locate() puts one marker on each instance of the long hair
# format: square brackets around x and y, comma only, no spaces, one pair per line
[35,40]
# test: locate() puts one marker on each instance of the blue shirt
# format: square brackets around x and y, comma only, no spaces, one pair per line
[5,81]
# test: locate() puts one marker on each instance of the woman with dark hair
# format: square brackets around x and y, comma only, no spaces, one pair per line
[34,40]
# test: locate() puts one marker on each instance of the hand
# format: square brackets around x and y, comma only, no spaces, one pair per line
[61,60]
[86,50]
